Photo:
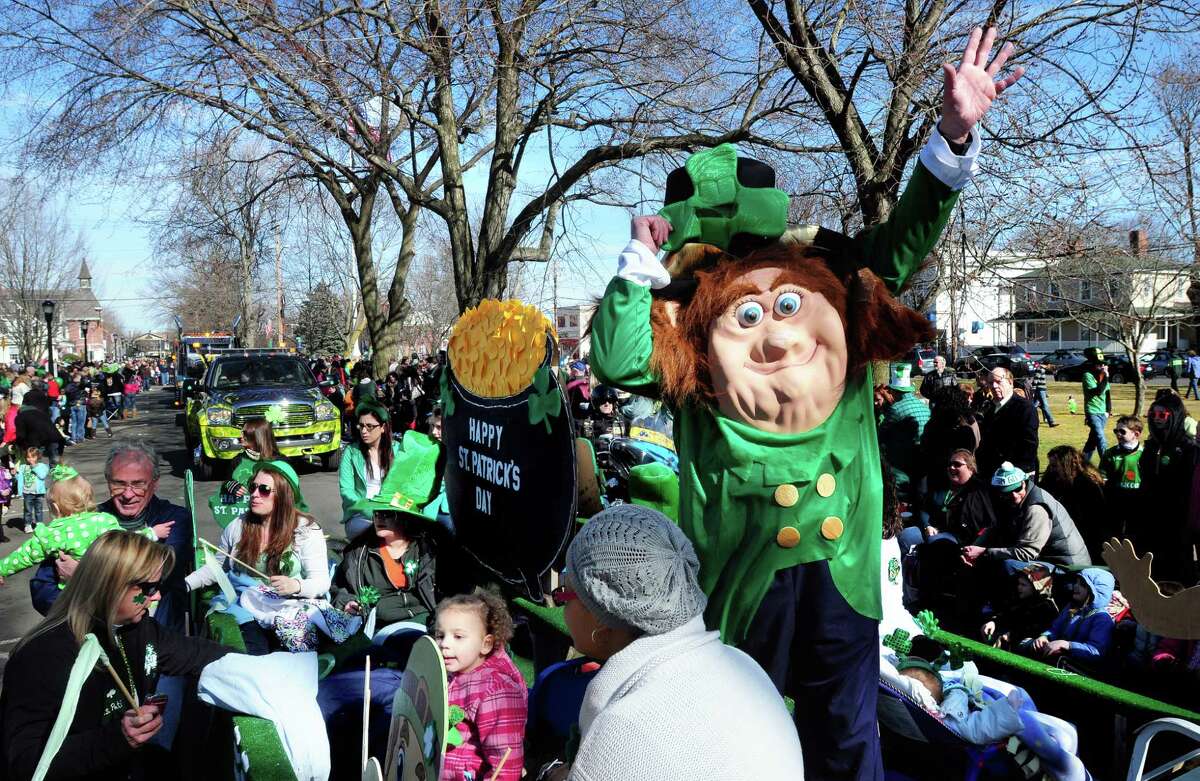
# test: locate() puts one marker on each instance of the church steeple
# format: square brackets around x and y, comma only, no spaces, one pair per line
[85,276]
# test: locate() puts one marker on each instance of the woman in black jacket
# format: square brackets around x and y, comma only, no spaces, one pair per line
[396,557]
[108,596]
[36,429]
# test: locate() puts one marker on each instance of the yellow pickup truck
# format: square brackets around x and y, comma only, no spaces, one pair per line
[239,385]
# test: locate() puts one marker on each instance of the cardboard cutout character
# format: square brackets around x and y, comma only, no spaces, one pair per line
[761,341]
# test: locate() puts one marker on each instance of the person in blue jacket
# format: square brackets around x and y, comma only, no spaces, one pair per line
[1083,630]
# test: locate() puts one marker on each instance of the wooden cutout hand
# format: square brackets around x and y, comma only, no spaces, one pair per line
[1176,616]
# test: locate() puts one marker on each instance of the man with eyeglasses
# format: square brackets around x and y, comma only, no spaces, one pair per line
[132,472]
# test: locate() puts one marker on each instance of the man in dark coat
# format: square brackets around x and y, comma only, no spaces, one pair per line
[35,427]
[936,379]
[132,471]
[1010,428]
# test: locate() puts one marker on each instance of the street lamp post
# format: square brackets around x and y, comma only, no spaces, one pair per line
[83,328]
[48,311]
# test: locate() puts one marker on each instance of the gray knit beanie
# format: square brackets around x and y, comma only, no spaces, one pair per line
[634,569]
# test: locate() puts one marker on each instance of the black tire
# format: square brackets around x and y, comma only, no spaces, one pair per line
[1117,378]
[330,462]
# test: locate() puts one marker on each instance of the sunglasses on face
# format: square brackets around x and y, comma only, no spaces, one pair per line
[369,426]
[262,489]
[562,595]
[148,588]
[957,464]
[1159,415]
[1120,432]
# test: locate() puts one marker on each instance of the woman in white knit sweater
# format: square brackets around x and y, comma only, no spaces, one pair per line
[671,702]
[277,538]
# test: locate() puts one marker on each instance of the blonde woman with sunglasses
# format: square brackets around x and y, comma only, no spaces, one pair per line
[110,596]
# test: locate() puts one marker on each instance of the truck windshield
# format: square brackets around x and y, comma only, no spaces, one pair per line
[251,371]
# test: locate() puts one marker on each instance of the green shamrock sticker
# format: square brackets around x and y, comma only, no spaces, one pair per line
[447,397]
[545,402]
[274,414]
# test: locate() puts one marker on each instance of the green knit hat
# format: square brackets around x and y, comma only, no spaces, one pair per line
[1009,478]
[410,483]
[284,469]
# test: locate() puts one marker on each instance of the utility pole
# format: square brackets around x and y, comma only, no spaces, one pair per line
[279,282]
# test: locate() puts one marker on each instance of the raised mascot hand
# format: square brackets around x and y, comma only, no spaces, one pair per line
[972,87]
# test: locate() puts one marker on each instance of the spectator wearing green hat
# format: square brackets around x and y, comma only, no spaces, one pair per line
[365,464]
[1097,403]
[901,424]
[1032,525]
[395,555]
[277,538]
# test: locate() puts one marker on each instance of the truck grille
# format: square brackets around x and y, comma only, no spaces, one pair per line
[293,414]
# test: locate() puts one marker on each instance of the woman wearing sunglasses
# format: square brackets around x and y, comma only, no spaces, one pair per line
[277,538]
[109,596]
[631,598]
[364,465]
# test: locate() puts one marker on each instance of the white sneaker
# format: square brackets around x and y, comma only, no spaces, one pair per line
[28,529]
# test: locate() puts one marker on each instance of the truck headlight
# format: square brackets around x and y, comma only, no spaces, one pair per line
[219,416]
[324,411]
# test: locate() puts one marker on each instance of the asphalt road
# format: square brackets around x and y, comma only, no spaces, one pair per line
[156,425]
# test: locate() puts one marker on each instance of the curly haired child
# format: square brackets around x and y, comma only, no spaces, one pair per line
[75,527]
[472,633]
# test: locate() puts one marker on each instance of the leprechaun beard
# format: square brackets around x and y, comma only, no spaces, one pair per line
[791,400]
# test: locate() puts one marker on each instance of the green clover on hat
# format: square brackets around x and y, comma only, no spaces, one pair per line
[901,377]
[412,480]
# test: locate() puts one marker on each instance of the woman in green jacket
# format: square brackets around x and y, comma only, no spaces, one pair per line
[366,464]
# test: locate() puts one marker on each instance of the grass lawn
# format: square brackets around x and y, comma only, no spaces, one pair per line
[1071,430]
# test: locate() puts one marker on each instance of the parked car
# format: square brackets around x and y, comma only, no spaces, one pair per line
[921,359]
[1119,371]
[1013,356]
[1159,361]
[1062,359]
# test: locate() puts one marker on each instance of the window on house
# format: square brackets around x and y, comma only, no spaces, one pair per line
[1162,331]
[1085,290]
[1021,337]
[1055,332]
[1055,292]
[562,322]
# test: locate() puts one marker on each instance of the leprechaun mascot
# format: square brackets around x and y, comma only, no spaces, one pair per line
[761,337]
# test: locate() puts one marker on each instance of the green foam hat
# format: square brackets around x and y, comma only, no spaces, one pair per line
[900,377]
[720,199]
[655,486]
[1009,478]
[285,470]
[411,481]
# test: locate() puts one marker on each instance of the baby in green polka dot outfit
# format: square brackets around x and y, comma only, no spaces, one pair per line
[76,525]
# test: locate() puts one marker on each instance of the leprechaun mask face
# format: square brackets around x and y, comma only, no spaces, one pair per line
[777,354]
